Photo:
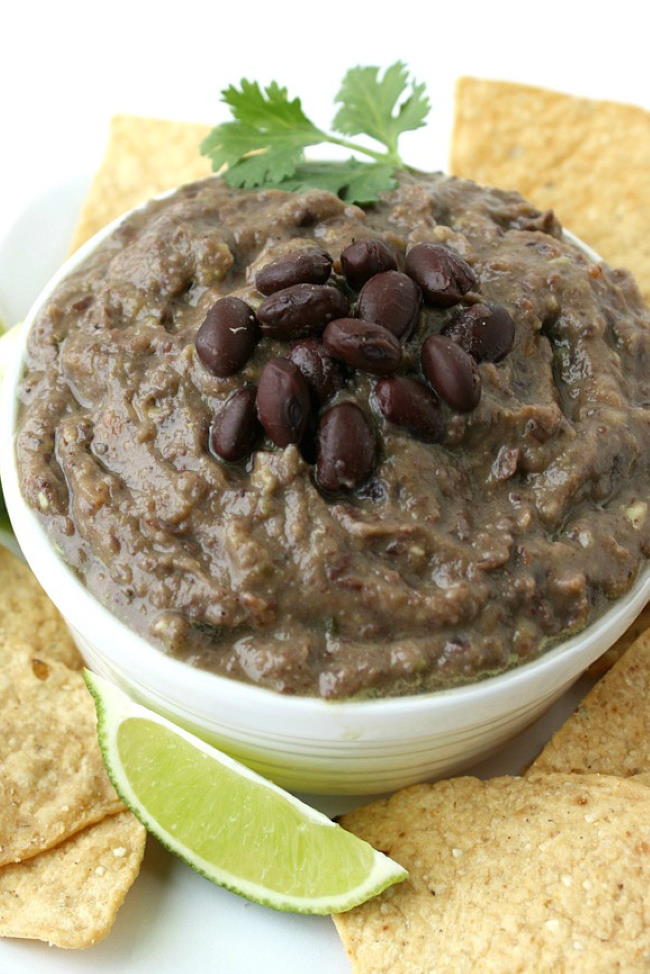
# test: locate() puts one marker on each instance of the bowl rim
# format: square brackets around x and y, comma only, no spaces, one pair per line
[76,602]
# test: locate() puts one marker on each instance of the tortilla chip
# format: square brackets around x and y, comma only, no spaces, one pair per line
[512,874]
[52,780]
[614,653]
[144,157]
[69,896]
[587,160]
[28,616]
[610,731]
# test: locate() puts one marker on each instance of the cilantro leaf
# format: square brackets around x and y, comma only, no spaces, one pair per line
[267,110]
[369,104]
[367,181]
[353,181]
[263,144]
[266,139]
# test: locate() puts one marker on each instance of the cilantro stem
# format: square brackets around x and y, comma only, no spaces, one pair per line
[391,157]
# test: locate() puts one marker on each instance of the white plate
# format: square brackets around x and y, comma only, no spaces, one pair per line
[174,921]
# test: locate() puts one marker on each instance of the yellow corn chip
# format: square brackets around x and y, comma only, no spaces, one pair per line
[144,157]
[510,875]
[52,780]
[588,160]
[70,895]
[610,731]
[28,616]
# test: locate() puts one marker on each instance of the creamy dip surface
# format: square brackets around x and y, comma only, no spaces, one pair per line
[453,560]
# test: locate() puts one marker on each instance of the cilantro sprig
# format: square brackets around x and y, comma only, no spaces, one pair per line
[264,143]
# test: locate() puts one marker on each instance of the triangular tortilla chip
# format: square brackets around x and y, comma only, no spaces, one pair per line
[144,157]
[610,731]
[509,875]
[588,160]
[28,616]
[70,895]
[52,779]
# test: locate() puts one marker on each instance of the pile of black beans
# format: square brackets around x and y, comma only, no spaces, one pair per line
[363,324]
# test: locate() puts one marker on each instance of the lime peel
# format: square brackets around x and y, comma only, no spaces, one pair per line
[227,822]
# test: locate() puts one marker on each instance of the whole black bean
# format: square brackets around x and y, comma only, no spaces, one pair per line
[236,429]
[346,448]
[452,373]
[310,266]
[485,331]
[441,273]
[283,403]
[299,310]
[324,376]
[227,337]
[363,345]
[408,403]
[391,299]
[365,258]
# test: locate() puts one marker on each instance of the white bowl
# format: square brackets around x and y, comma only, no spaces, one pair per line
[303,743]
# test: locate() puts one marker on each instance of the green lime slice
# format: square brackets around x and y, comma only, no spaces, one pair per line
[227,822]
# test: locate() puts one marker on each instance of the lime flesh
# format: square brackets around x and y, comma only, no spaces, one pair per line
[227,822]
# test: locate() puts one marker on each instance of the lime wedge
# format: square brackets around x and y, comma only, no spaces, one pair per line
[227,822]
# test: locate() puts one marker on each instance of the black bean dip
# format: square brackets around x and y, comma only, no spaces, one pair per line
[388,504]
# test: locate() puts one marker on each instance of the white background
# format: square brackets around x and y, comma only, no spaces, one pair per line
[66,66]
[64,69]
